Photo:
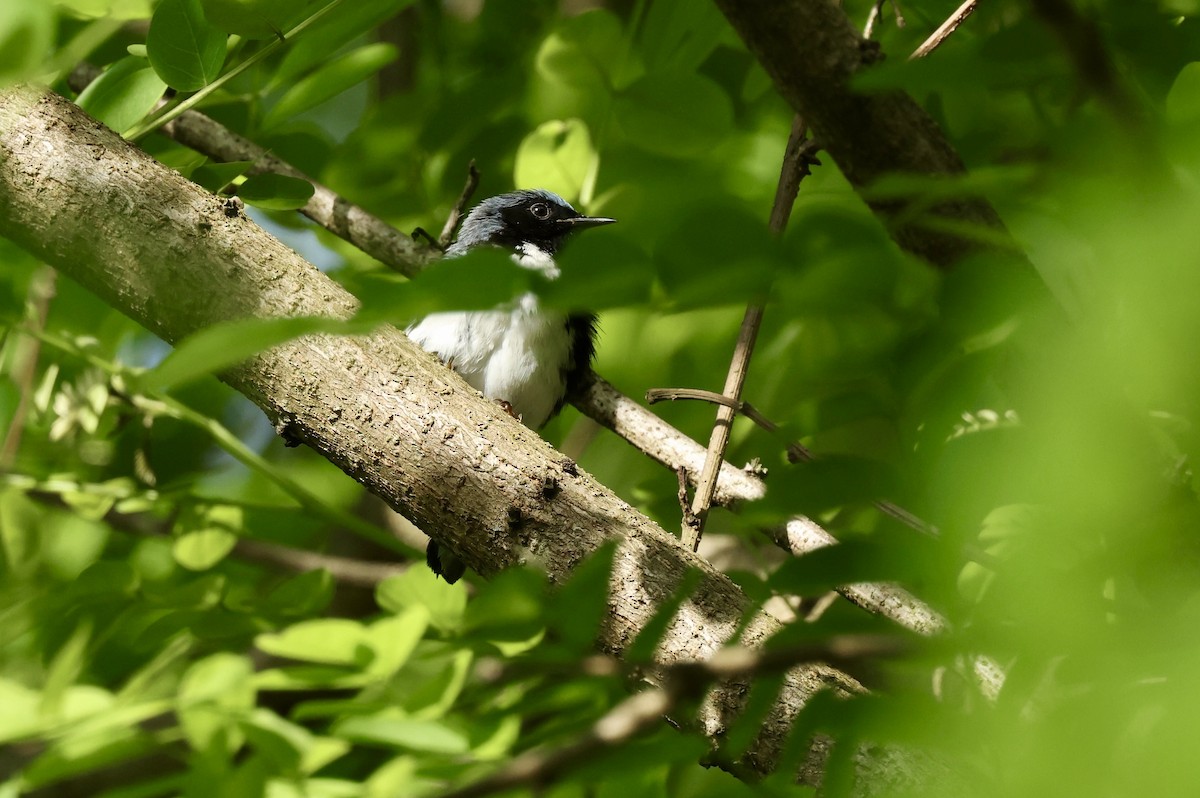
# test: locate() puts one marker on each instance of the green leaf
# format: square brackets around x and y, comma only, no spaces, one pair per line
[331,80]
[21,715]
[226,344]
[508,608]
[680,34]
[214,695]
[254,19]
[205,534]
[203,548]
[558,156]
[394,639]
[581,604]
[483,278]
[283,743]
[418,587]
[184,49]
[335,641]
[216,176]
[274,192]
[602,270]
[330,34]
[26,35]
[679,115]
[417,735]
[303,594]
[124,94]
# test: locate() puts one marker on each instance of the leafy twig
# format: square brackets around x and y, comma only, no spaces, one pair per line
[167,113]
[172,408]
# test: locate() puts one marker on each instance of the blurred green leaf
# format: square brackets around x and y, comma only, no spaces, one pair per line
[276,192]
[213,695]
[201,549]
[184,49]
[335,641]
[418,735]
[508,608]
[227,344]
[557,156]
[330,80]
[123,94]
[303,594]
[674,114]
[330,34]
[254,19]
[26,34]
[419,587]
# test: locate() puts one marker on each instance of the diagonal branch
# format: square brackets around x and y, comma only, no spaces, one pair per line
[165,252]
[598,400]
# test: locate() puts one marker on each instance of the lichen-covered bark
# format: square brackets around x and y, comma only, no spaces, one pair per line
[171,256]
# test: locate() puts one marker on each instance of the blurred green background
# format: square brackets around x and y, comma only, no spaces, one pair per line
[1036,404]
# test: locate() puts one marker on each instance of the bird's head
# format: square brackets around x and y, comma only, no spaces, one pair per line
[535,216]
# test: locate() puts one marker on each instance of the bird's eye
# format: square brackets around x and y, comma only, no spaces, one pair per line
[540,210]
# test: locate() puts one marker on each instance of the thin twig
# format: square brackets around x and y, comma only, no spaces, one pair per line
[660,441]
[344,219]
[872,18]
[346,570]
[459,206]
[877,12]
[685,506]
[693,526]
[792,171]
[944,30]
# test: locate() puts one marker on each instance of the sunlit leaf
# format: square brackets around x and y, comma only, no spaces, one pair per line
[184,49]
[124,94]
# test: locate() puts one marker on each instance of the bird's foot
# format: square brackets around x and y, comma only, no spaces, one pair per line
[508,408]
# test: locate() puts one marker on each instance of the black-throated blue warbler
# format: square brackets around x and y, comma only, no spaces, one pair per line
[519,353]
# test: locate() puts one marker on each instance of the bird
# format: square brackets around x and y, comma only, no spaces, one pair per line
[525,356]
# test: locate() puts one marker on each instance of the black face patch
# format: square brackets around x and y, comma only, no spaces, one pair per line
[537,220]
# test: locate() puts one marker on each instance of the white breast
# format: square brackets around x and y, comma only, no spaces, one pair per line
[516,352]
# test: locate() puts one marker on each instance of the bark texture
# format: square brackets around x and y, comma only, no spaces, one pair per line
[176,259]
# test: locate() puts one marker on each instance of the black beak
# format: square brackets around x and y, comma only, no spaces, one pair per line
[584,222]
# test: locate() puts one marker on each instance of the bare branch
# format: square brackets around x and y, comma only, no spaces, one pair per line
[459,206]
[944,30]
[792,171]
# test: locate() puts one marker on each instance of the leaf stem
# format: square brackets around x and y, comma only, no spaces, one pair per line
[168,113]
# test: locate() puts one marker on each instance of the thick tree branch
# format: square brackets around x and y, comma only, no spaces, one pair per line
[599,400]
[811,51]
[165,252]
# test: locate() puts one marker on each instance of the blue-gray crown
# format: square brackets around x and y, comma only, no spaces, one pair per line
[536,216]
